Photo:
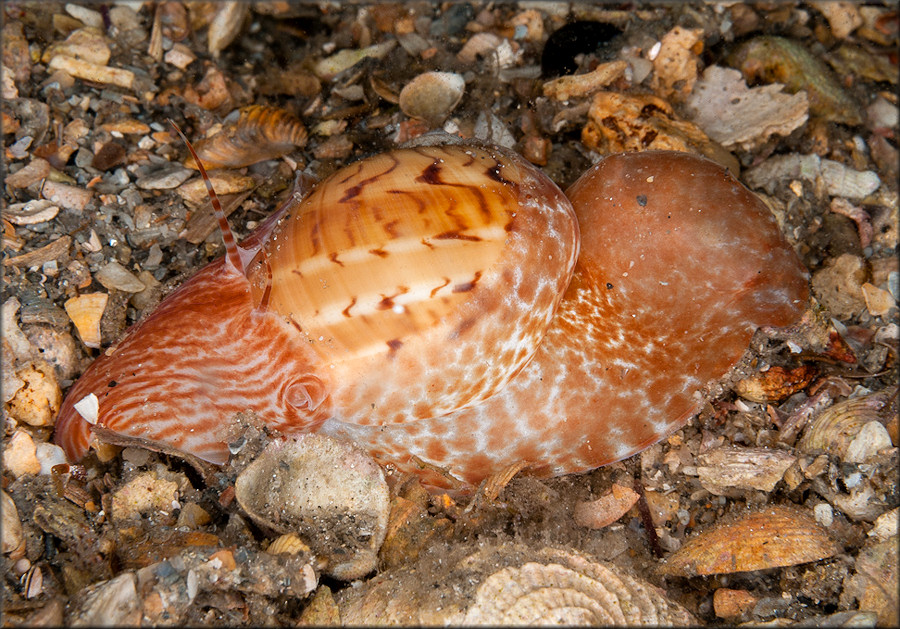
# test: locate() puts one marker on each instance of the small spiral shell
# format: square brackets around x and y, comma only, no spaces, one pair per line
[258,133]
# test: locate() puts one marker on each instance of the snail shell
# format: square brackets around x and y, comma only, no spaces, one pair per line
[405,286]
[257,133]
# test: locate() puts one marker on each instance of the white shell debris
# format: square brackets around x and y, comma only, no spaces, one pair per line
[742,468]
[328,491]
[50,455]
[329,67]
[114,276]
[732,114]
[837,179]
[89,408]
[13,536]
[489,128]
[31,212]
[108,604]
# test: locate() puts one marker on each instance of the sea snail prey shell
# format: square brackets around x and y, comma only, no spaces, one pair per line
[406,286]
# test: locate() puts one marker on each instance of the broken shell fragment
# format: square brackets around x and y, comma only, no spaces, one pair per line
[226,25]
[508,584]
[620,122]
[256,134]
[854,429]
[597,514]
[742,468]
[31,212]
[431,96]
[326,491]
[773,537]
[37,402]
[85,311]
[114,276]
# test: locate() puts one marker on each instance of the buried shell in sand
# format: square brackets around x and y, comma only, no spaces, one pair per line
[328,492]
[509,584]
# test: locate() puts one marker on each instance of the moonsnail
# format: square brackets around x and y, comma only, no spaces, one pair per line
[422,303]
[406,286]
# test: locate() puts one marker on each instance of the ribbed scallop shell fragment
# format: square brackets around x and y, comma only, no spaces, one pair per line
[773,537]
[511,584]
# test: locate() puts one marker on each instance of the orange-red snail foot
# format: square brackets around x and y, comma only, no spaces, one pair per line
[438,304]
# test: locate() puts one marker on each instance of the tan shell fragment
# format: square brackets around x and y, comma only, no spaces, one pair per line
[509,584]
[13,534]
[85,311]
[773,537]
[675,65]
[579,85]
[37,402]
[258,133]
[853,429]
[776,384]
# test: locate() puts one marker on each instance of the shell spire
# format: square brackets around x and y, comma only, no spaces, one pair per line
[232,253]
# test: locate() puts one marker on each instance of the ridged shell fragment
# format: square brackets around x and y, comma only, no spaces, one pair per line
[854,429]
[326,491]
[768,538]
[258,133]
[727,467]
[509,584]
[85,311]
[31,212]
